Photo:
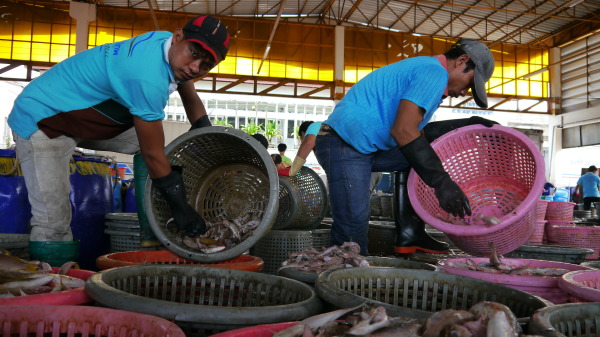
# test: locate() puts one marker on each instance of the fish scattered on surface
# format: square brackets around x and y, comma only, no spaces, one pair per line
[318,260]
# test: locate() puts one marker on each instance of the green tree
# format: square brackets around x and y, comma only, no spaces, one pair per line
[222,122]
[272,130]
[252,127]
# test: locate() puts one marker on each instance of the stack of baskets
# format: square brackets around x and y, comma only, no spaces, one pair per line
[124,231]
[540,223]
[562,230]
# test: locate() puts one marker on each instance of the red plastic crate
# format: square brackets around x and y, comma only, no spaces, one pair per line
[576,236]
[560,210]
[263,330]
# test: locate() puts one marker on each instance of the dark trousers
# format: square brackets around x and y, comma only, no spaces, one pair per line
[587,202]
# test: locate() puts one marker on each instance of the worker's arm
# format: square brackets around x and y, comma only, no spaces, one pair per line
[194,108]
[423,159]
[152,146]
[576,190]
[307,145]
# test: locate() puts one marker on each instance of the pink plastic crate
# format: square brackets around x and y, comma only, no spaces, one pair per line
[545,287]
[560,210]
[583,284]
[541,207]
[538,232]
[81,321]
[576,236]
[502,173]
[263,330]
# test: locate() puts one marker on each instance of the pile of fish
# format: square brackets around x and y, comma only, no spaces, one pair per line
[316,261]
[496,266]
[477,220]
[20,277]
[222,234]
[484,319]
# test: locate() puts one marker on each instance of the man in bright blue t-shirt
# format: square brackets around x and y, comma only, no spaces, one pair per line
[112,98]
[381,126]
[588,183]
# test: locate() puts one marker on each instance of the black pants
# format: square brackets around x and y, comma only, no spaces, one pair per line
[587,202]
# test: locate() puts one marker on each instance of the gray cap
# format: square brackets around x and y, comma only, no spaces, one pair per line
[481,55]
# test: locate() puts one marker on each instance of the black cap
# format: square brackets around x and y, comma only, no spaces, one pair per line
[210,33]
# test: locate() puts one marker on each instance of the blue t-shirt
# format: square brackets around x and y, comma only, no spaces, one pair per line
[134,72]
[590,183]
[313,129]
[365,116]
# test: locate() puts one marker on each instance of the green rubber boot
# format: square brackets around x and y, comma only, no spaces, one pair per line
[140,176]
[55,253]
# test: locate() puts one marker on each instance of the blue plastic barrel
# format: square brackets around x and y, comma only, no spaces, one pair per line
[91,198]
[129,203]
[561,194]
[15,211]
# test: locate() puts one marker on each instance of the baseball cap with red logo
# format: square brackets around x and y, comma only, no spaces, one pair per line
[210,33]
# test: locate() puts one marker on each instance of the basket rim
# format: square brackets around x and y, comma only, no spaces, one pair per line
[266,222]
[541,320]
[571,285]
[508,219]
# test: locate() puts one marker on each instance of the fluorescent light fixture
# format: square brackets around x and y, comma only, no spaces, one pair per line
[537,72]
[416,34]
[575,2]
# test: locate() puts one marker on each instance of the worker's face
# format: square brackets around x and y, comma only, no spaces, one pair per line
[460,82]
[188,60]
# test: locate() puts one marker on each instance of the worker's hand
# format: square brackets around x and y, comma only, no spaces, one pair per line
[201,122]
[434,130]
[297,165]
[172,189]
[452,199]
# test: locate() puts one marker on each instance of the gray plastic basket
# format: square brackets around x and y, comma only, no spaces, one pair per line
[227,174]
[591,264]
[417,293]
[16,244]
[382,237]
[321,236]
[203,298]
[275,247]
[302,201]
[551,253]
[573,319]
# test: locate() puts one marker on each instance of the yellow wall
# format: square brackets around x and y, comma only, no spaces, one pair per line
[44,32]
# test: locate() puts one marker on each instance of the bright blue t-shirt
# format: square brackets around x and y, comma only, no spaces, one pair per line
[134,72]
[365,116]
[313,129]
[590,183]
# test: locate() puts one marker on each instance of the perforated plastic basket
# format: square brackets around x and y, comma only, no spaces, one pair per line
[560,210]
[573,255]
[417,293]
[576,236]
[321,236]
[263,330]
[382,236]
[575,319]
[275,247]
[202,298]
[502,173]
[242,262]
[583,284]
[81,321]
[227,174]
[302,201]
[538,232]
[542,206]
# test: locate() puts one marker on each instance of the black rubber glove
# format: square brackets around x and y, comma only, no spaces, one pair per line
[172,189]
[201,122]
[434,130]
[429,167]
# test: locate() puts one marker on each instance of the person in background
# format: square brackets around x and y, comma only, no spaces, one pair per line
[588,184]
[287,162]
[381,125]
[278,161]
[112,98]
[548,186]
[262,139]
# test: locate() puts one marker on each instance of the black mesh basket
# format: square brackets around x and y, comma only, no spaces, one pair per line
[573,319]
[276,246]
[302,201]
[227,174]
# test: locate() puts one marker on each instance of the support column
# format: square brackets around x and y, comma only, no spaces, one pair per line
[83,13]
[338,69]
[554,71]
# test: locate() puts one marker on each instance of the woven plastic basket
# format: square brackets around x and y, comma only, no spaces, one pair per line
[275,247]
[565,254]
[66,297]
[382,236]
[81,321]
[203,298]
[591,264]
[302,201]
[583,284]
[227,174]
[501,171]
[263,330]
[576,236]
[575,319]
[538,232]
[544,286]
[542,206]
[560,210]
[321,236]
[417,293]
[242,262]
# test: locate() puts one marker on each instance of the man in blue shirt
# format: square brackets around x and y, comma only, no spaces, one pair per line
[588,183]
[381,126]
[112,98]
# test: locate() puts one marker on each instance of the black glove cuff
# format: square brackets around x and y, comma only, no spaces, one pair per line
[171,179]
[201,122]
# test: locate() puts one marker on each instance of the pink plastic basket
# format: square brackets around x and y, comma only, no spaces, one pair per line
[262,330]
[502,173]
[81,321]
[65,297]
[576,236]
[545,287]
[583,284]
[538,232]
[541,205]
[560,210]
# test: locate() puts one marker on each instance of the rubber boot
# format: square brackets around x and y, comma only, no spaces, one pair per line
[140,176]
[410,229]
[55,253]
